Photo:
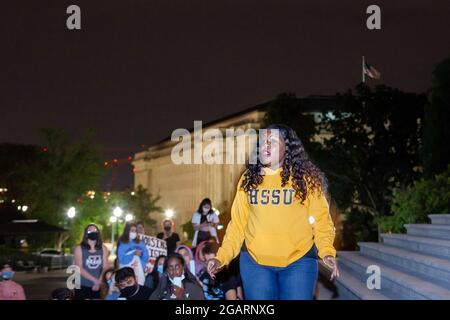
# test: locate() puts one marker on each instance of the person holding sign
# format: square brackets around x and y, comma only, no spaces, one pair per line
[132,252]
[280,220]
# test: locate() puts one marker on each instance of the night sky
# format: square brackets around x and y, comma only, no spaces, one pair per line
[139,69]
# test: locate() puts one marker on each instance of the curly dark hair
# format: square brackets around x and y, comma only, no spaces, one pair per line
[306,177]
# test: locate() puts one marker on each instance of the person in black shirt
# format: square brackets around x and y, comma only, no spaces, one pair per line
[224,285]
[172,239]
[128,286]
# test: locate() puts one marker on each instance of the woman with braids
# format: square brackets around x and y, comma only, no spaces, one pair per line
[280,222]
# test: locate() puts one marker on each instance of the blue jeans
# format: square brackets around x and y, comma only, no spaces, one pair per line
[297,281]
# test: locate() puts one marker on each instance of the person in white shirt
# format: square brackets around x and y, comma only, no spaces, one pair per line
[205,221]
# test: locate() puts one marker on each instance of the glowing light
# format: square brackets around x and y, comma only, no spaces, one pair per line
[71,212]
[24,208]
[169,213]
[128,217]
[117,212]
[113,219]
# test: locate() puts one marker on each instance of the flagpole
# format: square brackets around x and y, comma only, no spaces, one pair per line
[362,69]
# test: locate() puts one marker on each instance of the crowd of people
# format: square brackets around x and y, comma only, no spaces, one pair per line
[179,275]
[278,258]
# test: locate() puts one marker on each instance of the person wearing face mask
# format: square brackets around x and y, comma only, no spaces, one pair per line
[172,239]
[152,279]
[177,282]
[132,252]
[129,288]
[205,221]
[109,290]
[140,227]
[91,256]
[10,290]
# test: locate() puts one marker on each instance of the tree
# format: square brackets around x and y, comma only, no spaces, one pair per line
[425,196]
[287,109]
[373,149]
[62,171]
[369,145]
[436,133]
[142,204]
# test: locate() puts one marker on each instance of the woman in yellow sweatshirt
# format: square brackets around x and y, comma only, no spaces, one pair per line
[280,222]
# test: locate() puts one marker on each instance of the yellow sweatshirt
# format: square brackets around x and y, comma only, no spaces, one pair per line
[276,227]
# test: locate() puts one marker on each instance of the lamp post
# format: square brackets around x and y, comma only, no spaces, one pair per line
[115,218]
[112,219]
[71,213]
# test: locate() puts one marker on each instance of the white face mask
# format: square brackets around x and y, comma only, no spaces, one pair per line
[133,235]
[177,281]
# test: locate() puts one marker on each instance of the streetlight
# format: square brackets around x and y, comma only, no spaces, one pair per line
[169,213]
[118,212]
[71,213]
[128,217]
[114,219]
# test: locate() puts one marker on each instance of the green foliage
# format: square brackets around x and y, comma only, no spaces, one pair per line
[426,196]
[370,146]
[142,203]
[188,227]
[59,176]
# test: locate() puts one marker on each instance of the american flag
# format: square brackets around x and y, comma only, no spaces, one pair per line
[371,71]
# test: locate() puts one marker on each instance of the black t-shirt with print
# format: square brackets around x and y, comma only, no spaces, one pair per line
[215,289]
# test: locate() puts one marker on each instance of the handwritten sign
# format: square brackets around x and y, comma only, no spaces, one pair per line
[156,247]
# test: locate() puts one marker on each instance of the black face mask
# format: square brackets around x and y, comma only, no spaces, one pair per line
[167,228]
[92,236]
[128,291]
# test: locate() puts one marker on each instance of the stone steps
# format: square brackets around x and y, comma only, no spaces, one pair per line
[429,230]
[350,287]
[434,247]
[429,267]
[395,283]
[440,218]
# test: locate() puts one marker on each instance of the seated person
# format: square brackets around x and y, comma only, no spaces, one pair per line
[109,290]
[63,294]
[152,279]
[177,283]
[128,286]
[9,289]
[224,285]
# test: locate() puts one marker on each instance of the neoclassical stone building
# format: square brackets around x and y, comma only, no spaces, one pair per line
[183,186]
